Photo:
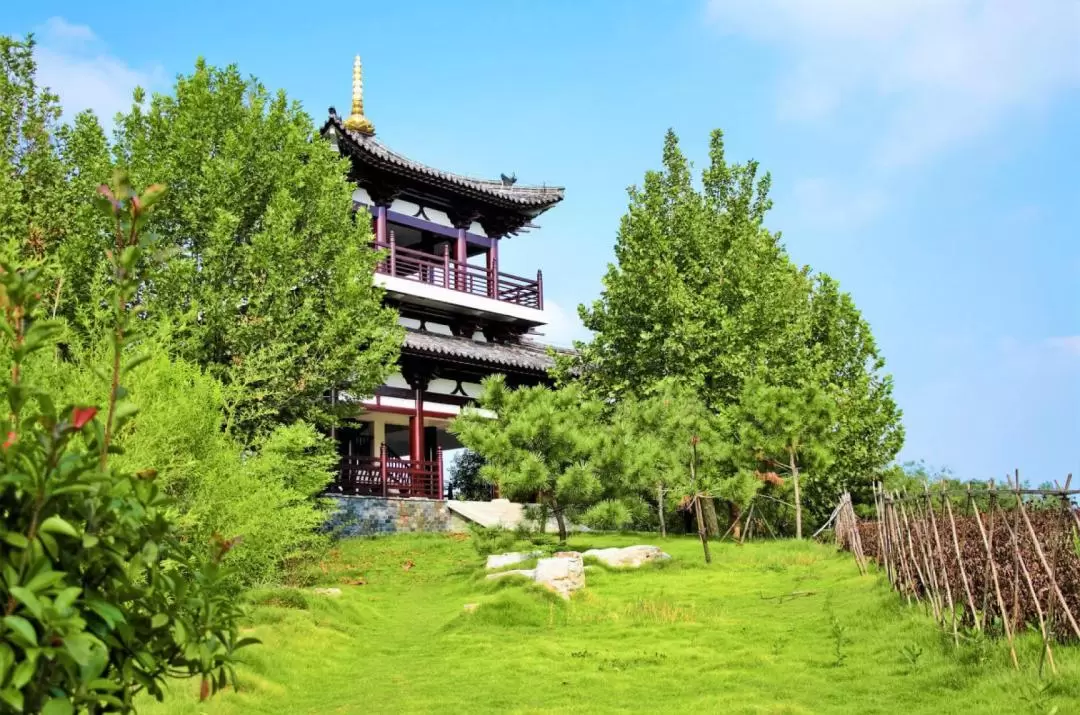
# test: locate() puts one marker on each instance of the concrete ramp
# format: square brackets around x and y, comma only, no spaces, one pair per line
[494,513]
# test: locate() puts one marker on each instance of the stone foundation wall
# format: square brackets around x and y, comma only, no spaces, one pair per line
[356,516]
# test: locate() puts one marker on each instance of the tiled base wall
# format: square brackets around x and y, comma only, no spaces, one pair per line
[357,516]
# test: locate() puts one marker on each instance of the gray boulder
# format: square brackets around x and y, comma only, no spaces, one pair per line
[627,557]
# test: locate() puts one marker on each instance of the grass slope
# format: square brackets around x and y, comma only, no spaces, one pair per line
[677,637]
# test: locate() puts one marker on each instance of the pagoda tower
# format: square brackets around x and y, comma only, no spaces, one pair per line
[465,319]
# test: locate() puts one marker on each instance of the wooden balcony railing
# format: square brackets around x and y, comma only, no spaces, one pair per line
[386,476]
[446,272]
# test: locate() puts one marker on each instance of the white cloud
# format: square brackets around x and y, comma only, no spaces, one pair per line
[75,64]
[562,328]
[951,69]
[823,203]
[1068,345]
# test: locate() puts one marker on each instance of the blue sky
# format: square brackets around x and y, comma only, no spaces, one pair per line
[924,152]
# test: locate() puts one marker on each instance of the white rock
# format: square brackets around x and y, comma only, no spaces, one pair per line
[628,557]
[497,561]
[563,573]
[331,592]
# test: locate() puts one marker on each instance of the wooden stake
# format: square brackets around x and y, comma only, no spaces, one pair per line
[997,586]
[701,529]
[899,552]
[1015,538]
[960,562]
[660,509]
[944,568]
[923,524]
[1049,571]
[911,550]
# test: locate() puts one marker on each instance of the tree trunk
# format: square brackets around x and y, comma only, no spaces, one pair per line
[660,509]
[798,498]
[701,529]
[734,519]
[712,523]
[543,518]
[561,521]
[697,502]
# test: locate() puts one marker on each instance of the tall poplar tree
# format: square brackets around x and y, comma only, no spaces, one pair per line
[703,292]
[267,283]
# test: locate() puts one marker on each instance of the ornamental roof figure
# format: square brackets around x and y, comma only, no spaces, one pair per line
[357,122]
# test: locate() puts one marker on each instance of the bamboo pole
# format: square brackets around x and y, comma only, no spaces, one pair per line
[997,585]
[933,592]
[1049,571]
[856,537]
[989,551]
[911,550]
[749,513]
[881,537]
[929,561]
[944,568]
[1015,539]
[909,561]
[960,563]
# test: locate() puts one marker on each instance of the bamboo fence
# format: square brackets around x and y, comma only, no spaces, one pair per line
[993,561]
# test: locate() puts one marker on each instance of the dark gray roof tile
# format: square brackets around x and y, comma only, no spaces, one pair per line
[525,355]
[531,197]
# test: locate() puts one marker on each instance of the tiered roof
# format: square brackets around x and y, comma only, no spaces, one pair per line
[370,151]
[502,206]
[522,356]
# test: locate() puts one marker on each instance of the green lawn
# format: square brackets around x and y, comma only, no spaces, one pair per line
[681,637]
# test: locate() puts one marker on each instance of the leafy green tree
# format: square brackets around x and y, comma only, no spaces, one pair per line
[701,290]
[868,428]
[269,272]
[786,429]
[541,444]
[272,271]
[45,213]
[105,598]
[465,477]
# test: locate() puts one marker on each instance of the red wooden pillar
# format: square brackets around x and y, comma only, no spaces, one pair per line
[461,257]
[439,466]
[446,265]
[380,225]
[493,269]
[393,254]
[416,438]
[383,466]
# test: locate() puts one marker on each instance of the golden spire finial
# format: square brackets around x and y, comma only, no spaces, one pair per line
[357,122]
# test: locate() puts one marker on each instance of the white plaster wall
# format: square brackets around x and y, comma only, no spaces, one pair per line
[361,196]
[397,380]
[472,389]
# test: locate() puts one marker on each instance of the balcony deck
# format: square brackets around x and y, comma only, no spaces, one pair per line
[462,277]
[385,476]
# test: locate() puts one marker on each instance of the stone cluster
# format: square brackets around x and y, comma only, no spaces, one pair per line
[564,571]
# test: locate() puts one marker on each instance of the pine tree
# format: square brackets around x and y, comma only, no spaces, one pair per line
[786,429]
[540,444]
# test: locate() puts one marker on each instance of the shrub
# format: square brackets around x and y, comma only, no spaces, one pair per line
[103,596]
[608,515]
[265,492]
